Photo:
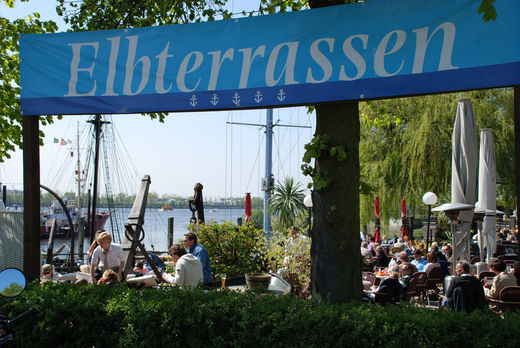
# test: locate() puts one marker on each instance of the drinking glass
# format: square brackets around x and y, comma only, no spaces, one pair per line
[223,278]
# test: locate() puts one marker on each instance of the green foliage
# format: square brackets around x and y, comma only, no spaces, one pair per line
[10,118]
[405,148]
[97,316]
[292,260]
[257,218]
[287,202]
[232,249]
[487,10]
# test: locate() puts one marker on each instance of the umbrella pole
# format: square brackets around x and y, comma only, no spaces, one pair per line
[453,232]
[481,241]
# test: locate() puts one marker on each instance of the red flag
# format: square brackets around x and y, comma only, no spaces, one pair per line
[377,228]
[247,214]
[404,227]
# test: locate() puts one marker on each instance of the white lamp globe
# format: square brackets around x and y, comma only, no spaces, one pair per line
[429,198]
[307,201]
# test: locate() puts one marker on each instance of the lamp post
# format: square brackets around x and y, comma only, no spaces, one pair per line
[429,199]
[307,201]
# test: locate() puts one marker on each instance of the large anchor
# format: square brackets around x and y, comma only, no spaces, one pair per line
[196,205]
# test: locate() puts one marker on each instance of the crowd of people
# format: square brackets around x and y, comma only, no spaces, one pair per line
[107,263]
[400,259]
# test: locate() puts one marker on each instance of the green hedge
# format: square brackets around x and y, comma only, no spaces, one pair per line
[72,316]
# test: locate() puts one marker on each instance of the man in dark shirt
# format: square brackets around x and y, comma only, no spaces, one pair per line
[466,292]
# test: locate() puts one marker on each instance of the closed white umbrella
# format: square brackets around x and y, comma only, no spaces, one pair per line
[487,193]
[464,174]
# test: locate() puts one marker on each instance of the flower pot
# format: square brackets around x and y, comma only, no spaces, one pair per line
[258,281]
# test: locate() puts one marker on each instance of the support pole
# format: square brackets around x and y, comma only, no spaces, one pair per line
[428,227]
[31,197]
[268,169]
[97,128]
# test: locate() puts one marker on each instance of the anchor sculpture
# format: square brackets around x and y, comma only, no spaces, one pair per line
[196,205]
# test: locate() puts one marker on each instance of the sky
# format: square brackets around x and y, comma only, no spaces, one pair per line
[229,160]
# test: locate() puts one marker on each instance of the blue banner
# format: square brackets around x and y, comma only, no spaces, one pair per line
[375,49]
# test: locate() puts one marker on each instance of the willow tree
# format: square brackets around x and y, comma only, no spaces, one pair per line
[405,147]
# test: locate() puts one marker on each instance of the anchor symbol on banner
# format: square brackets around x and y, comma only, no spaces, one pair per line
[281,95]
[236,99]
[258,97]
[214,100]
[193,100]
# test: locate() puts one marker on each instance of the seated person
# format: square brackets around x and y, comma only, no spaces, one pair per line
[109,278]
[390,285]
[410,245]
[438,253]
[406,276]
[365,252]
[419,262]
[381,259]
[107,255]
[469,294]
[516,272]
[431,257]
[500,281]
[47,273]
[188,268]
[140,269]
[448,252]
[422,248]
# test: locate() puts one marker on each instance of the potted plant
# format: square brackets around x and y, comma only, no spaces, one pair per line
[258,281]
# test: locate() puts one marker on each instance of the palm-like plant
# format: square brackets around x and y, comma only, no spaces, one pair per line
[287,202]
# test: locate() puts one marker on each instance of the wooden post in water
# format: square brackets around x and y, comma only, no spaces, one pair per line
[170,231]
[50,245]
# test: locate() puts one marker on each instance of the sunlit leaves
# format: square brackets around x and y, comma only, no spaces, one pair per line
[10,119]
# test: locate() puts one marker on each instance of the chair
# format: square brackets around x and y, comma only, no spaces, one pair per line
[369,279]
[474,260]
[384,298]
[435,276]
[417,286]
[485,274]
[509,299]
[510,262]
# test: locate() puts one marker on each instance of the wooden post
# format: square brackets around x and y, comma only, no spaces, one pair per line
[31,196]
[170,231]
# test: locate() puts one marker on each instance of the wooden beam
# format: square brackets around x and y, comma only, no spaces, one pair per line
[134,224]
[31,196]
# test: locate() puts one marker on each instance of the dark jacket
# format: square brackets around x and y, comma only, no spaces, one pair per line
[382,260]
[466,294]
[391,286]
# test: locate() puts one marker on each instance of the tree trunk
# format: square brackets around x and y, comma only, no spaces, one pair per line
[336,260]
[516,113]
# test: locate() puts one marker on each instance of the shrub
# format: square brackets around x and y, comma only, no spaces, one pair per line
[232,249]
[72,316]
[292,260]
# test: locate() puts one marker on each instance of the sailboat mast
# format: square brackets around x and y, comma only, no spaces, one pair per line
[97,127]
[81,231]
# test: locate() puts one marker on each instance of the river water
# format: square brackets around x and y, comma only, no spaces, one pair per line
[155,226]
